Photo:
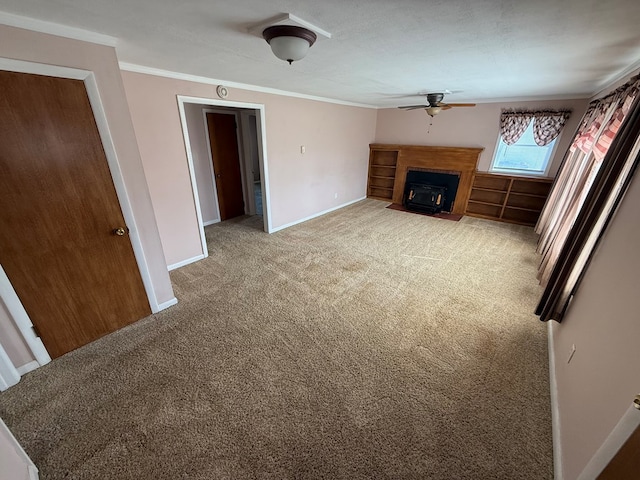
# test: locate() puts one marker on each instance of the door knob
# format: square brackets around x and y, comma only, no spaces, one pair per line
[120,231]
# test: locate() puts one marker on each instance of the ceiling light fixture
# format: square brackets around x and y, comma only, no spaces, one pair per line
[289,42]
[433,111]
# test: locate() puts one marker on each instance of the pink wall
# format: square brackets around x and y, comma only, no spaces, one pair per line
[14,462]
[469,127]
[336,139]
[201,162]
[599,384]
[48,49]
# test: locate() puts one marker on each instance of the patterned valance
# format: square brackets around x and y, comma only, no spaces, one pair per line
[547,125]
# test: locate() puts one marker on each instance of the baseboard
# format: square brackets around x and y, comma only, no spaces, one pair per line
[167,304]
[173,266]
[27,367]
[315,215]
[210,222]
[555,410]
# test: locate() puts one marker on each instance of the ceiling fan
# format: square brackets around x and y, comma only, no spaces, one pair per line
[435,105]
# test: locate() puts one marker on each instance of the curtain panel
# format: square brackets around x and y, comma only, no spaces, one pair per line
[581,171]
[612,181]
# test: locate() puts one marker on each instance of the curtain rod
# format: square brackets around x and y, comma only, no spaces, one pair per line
[535,112]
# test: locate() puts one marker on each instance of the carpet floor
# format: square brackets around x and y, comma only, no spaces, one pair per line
[364,344]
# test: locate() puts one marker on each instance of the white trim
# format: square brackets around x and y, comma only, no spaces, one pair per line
[57,29]
[607,85]
[261,131]
[21,319]
[27,367]
[121,190]
[182,263]
[555,409]
[130,67]
[33,470]
[262,150]
[210,222]
[247,164]
[614,441]
[168,303]
[192,174]
[9,374]
[315,215]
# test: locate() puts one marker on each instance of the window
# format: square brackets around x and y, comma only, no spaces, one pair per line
[524,156]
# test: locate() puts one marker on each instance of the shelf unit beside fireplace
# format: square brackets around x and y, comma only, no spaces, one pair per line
[508,198]
[382,173]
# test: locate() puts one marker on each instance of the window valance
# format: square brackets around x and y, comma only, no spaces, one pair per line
[547,125]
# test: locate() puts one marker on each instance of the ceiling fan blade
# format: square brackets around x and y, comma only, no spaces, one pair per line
[412,107]
[445,106]
[461,104]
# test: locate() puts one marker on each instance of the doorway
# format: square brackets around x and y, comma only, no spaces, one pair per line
[251,141]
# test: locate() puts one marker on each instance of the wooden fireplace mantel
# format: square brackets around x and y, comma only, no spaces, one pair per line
[389,163]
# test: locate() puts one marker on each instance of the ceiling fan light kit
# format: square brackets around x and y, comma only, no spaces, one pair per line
[289,42]
[435,104]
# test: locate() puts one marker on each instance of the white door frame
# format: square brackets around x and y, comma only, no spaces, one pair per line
[262,150]
[245,123]
[7,293]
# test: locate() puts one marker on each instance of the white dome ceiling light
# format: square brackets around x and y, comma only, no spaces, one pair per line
[289,42]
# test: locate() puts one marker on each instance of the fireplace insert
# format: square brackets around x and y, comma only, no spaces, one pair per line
[424,198]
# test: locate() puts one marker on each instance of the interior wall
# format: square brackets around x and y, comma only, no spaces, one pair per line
[477,126]
[598,385]
[201,162]
[36,47]
[332,172]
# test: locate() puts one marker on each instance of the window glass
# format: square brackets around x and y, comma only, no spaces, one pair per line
[524,156]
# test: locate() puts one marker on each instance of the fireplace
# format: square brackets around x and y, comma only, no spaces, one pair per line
[390,163]
[430,191]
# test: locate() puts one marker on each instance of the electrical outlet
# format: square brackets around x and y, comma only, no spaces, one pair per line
[335,195]
[303,149]
[573,351]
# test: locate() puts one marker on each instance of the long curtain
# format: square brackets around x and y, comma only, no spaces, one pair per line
[579,204]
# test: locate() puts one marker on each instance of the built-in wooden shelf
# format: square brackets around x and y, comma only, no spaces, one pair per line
[382,174]
[389,164]
[508,198]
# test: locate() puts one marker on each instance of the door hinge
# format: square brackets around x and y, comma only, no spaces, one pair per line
[36,331]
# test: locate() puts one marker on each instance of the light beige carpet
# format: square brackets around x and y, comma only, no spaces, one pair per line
[365,344]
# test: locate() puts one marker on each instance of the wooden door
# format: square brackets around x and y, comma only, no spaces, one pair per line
[626,463]
[77,279]
[226,164]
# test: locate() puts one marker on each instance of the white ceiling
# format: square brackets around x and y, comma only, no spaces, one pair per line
[488,49]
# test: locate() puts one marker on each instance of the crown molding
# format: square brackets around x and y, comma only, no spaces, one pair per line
[620,76]
[50,28]
[130,67]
